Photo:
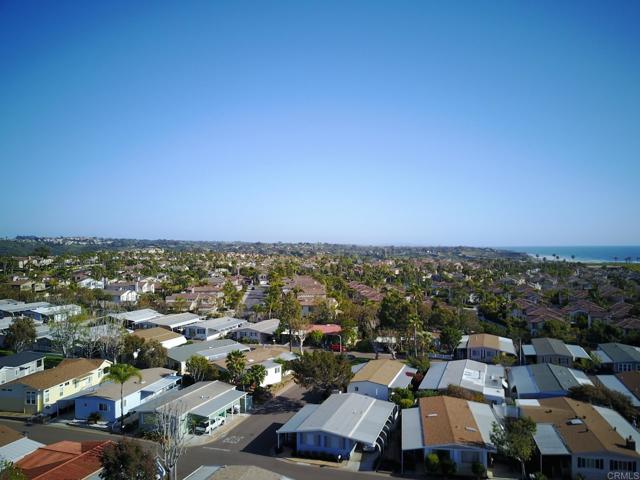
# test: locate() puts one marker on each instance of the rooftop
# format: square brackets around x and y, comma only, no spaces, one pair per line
[382,372]
[212,349]
[348,415]
[111,390]
[21,358]
[156,333]
[68,369]
[64,461]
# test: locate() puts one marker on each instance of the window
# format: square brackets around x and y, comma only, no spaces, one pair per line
[31,398]
[355,389]
[103,407]
[39,363]
[61,391]
[46,396]
[277,370]
[592,463]
[622,466]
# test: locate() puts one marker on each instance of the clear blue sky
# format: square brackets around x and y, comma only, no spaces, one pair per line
[478,123]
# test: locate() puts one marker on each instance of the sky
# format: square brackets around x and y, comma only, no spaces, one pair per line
[375,122]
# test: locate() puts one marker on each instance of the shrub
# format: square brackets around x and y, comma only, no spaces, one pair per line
[478,470]
[447,466]
[364,346]
[94,417]
[432,463]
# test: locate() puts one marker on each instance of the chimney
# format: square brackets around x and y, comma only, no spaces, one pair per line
[631,443]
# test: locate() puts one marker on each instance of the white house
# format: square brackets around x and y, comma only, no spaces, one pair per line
[213,328]
[267,357]
[20,365]
[378,377]
[261,332]
[484,347]
[176,321]
[55,313]
[477,377]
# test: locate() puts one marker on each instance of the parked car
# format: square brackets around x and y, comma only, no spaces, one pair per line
[335,347]
[209,426]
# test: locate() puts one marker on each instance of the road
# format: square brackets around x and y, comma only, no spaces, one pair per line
[251,442]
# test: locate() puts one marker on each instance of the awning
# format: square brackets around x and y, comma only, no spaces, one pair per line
[548,440]
[221,402]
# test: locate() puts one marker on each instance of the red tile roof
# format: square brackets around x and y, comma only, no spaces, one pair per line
[64,461]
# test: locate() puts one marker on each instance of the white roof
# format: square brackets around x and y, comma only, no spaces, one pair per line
[411,436]
[19,449]
[265,326]
[137,316]
[469,374]
[548,440]
[175,320]
[222,323]
[348,415]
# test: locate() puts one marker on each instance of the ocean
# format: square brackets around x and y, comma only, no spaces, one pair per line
[584,253]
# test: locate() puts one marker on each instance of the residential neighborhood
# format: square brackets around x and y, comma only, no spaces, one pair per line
[412,367]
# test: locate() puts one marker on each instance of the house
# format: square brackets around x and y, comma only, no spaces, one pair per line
[235,472]
[211,350]
[339,425]
[90,283]
[484,347]
[105,398]
[544,380]
[575,439]
[136,318]
[626,383]
[451,428]
[167,338]
[55,313]
[618,357]
[65,460]
[45,392]
[196,404]
[485,380]
[260,332]
[213,328]
[379,377]
[269,358]
[20,365]
[175,321]
[14,446]
[552,350]
[120,295]
[17,309]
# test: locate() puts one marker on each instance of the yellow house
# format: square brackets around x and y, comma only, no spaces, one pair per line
[46,391]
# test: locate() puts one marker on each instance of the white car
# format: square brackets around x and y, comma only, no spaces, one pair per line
[209,426]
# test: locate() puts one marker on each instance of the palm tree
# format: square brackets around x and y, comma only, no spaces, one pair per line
[415,322]
[236,363]
[121,373]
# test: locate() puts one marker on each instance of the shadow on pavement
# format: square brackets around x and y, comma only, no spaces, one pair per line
[265,443]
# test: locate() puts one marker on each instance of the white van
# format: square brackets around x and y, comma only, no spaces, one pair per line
[209,426]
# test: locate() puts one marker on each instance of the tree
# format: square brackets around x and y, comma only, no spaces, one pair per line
[403,397]
[394,310]
[415,324]
[236,363]
[291,316]
[112,342]
[322,371]
[131,346]
[127,460]
[152,354]
[170,421]
[515,439]
[316,337]
[199,368]
[450,338]
[67,334]
[601,395]
[10,471]
[20,335]
[559,329]
[255,375]
[120,373]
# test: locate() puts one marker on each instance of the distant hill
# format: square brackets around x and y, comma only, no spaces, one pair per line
[27,245]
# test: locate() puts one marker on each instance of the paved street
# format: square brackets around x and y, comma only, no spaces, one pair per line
[251,442]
